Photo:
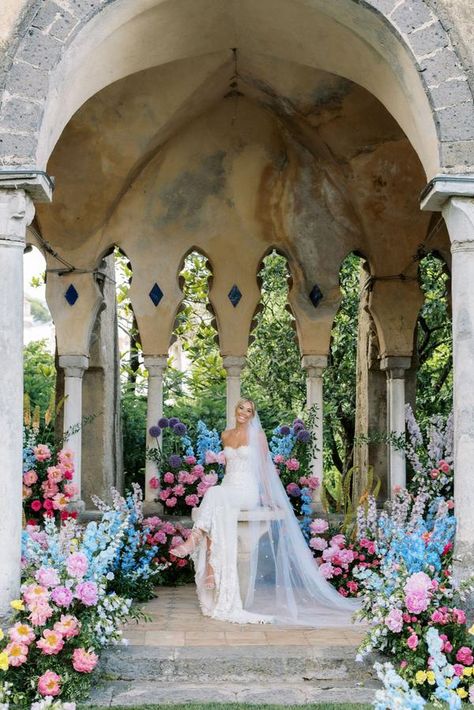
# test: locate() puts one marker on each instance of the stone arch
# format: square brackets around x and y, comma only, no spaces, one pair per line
[420,77]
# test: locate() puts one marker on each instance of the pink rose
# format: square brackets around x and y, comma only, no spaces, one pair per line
[49,684]
[459,616]
[168,477]
[319,526]
[51,643]
[47,577]
[190,460]
[171,502]
[318,543]
[17,653]
[165,493]
[154,483]
[84,661]
[60,501]
[49,489]
[292,464]
[412,642]
[66,457]
[394,621]
[458,669]
[353,587]
[30,478]
[41,452]
[62,596]
[159,537]
[437,617]
[77,564]
[434,473]
[192,500]
[464,655]
[278,459]
[36,505]
[87,593]
[444,466]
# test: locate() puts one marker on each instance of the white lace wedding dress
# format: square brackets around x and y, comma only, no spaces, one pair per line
[217,516]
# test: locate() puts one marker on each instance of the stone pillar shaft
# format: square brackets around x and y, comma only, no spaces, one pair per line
[16,212]
[315,366]
[74,367]
[155,364]
[233,366]
[395,368]
[459,216]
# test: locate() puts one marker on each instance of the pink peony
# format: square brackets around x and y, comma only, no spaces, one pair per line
[84,661]
[292,464]
[192,500]
[327,570]
[346,556]
[210,479]
[464,655]
[21,633]
[319,526]
[329,552]
[51,643]
[154,483]
[66,457]
[71,490]
[338,540]
[69,626]
[184,477]
[394,621]
[198,470]
[40,613]
[77,564]
[168,477]
[60,501]
[459,616]
[17,653]
[47,577]
[313,482]
[30,478]
[165,493]
[416,603]
[190,460]
[55,474]
[34,593]
[179,490]
[62,596]
[210,457]
[318,543]
[87,593]
[169,528]
[418,583]
[278,459]
[49,684]
[41,452]
[171,502]
[412,642]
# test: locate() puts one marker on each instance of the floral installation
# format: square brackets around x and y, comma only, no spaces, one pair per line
[48,485]
[166,535]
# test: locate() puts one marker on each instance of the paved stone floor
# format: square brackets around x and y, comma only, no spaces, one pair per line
[177,621]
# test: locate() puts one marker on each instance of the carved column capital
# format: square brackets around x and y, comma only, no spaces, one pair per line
[458,213]
[74,365]
[395,366]
[155,364]
[314,364]
[233,365]
[16,213]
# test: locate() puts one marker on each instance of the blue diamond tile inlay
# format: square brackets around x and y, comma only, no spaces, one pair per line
[316,295]
[234,295]
[156,294]
[71,295]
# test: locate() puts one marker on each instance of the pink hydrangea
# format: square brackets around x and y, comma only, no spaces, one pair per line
[30,478]
[62,596]
[327,570]
[47,577]
[412,641]
[292,464]
[394,621]
[84,661]
[168,477]
[318,543]
[464,655]
[77,564]
[87,593]
[21,633]
[51,642]
[41,452]
[319,526]
[68,625]
[49,684]
[17,653]
[192,500]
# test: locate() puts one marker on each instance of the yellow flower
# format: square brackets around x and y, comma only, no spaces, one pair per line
[3,661]
[471,630]
[17,604]
[430,676]
[467,671]
[448,682]
[420,676]
[461,692]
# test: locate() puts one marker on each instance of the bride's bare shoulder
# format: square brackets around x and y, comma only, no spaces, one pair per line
[227,435]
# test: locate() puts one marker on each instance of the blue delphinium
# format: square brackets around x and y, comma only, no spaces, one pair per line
[396,693]
[207,440]
[306,511]
[282,444]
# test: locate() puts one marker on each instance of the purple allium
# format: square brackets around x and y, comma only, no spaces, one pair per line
[173,421]
[298,421]
[154,431]
[175,461]
[303,436]
[180,429]
[163,422]
[298,426]
[284,430]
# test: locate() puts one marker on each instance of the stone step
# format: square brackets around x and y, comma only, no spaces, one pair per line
[256,663]
[134,693]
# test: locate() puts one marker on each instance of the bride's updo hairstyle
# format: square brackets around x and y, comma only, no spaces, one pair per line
[244,400]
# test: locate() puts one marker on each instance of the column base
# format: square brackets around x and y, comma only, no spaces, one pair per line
[463,569]
[77,506]
[151,507]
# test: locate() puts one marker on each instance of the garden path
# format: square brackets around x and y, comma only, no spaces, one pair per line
[181,656]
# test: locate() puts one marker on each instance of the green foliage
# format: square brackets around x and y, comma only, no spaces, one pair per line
[134,432]
[39,374]
[39,311]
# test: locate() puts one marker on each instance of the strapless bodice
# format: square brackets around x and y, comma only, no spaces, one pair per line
[237,469]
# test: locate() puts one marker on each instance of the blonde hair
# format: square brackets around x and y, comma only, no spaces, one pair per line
[245,400]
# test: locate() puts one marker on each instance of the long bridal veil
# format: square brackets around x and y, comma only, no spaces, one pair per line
[283,578]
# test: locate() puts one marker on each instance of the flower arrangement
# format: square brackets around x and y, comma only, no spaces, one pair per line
[291,447]
[165,535]
[48,486]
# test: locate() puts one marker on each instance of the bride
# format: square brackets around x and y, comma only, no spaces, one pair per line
[278,581]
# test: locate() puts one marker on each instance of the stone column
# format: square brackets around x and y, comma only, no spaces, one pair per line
[233,366]
[74,367]
[155,364]
[395,368]
[459,215]
[16,213]
[315,366]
